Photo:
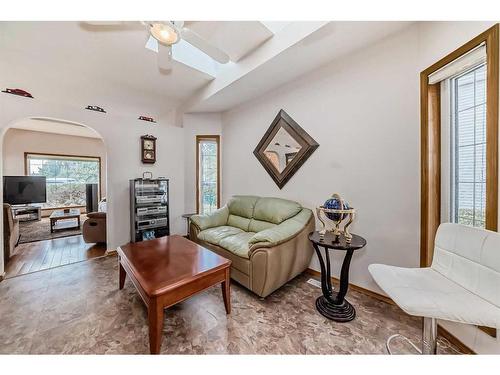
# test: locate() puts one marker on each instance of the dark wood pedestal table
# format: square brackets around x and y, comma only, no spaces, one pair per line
[333,305]
[168,270]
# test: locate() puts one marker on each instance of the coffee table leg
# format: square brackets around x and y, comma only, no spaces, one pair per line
[226,292]
[123,275]
[155,316]
[51,226]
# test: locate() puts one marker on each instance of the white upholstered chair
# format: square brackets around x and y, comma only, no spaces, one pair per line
[462,284]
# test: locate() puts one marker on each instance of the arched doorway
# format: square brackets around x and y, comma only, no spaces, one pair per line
[70,157]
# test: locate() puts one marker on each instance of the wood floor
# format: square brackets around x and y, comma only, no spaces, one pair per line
[40,255]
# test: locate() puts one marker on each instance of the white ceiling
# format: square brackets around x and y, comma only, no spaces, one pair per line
[80,65]
[56,127]
[84,65]
[332,41]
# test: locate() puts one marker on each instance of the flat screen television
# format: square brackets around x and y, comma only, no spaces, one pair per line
[24,189]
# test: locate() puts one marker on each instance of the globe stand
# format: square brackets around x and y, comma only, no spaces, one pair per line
[335,217]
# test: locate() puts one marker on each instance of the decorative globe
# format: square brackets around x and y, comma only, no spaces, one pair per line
[335,203]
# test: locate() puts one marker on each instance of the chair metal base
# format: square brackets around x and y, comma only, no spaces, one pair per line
[429,338]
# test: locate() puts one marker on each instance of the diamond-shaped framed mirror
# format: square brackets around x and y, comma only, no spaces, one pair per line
[284,148]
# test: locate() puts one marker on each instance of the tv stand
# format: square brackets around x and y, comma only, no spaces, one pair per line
[27,213]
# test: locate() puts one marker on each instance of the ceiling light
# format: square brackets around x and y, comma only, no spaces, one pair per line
[164,33]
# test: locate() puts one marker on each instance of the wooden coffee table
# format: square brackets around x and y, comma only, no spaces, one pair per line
[168,270]
[73,213]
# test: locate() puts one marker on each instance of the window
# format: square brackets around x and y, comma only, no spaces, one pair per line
[468,147]
[66,177]
[207,173]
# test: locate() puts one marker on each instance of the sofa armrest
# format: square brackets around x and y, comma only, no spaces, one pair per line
[215,219]
[282,232]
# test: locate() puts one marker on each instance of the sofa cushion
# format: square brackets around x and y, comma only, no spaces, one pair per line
[283,232]
[237,244]
[239,222]
[275,210]
[242,205]
[217,234]
[259,225]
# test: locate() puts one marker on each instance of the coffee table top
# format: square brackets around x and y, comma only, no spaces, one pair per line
[60,214]
[165,263]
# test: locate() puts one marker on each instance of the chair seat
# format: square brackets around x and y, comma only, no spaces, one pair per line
[425,292]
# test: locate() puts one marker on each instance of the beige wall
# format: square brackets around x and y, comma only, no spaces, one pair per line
[17,141]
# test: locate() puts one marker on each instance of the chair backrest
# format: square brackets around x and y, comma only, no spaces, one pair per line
[469,257]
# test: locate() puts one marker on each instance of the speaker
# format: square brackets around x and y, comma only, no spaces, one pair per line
[92,197]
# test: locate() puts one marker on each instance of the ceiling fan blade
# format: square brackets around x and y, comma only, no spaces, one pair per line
[178,24]
[104,23]
[164,57]
[197,41]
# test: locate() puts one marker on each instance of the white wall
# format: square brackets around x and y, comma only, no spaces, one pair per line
[121,136]
[196,124]
[363,111]
[16,142]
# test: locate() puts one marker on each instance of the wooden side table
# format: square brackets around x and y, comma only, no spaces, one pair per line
[333,305]
[188,220]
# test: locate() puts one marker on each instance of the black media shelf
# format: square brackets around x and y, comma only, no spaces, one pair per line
[149,209]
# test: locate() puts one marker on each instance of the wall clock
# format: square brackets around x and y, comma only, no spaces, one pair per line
[148,149]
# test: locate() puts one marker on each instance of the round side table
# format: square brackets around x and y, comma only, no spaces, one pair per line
[333,305]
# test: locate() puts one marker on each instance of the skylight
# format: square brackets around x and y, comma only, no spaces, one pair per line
[186,54]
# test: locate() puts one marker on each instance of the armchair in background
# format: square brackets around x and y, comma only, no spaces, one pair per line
[10,232]
[94,228]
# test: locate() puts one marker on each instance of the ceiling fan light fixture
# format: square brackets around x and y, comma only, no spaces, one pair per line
[164,33]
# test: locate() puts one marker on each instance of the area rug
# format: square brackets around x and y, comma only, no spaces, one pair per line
[31,231]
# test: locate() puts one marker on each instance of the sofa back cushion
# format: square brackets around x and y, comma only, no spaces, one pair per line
[242,205]
[239,222]
[259,225]
[275,210]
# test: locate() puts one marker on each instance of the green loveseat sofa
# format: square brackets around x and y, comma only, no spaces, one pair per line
[265,238]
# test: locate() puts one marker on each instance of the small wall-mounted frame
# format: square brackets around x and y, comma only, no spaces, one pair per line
[147,119]
[95,108]
[148,149]
[284,148]
[18,92]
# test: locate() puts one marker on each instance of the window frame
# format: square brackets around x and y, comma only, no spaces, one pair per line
[98,158]
[199,139]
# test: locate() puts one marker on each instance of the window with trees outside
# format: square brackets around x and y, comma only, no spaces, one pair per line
[207,173]
[66,177]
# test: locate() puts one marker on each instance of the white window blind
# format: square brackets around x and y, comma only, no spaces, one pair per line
[464,63]
[468,138]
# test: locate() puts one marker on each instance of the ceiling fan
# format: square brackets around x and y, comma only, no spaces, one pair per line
[162,35]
